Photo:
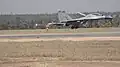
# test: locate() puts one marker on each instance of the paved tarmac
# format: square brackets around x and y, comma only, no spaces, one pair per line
[55,35]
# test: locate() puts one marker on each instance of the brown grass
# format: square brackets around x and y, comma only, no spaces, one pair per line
[35,53]
[64,50]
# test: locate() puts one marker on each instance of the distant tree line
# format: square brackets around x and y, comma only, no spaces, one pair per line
[29,21]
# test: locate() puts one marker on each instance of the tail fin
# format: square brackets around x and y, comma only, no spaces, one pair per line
[63,16]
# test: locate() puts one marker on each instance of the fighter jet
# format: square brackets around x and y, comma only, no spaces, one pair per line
[74,23]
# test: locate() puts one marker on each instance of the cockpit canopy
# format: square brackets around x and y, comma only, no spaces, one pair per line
[94,14]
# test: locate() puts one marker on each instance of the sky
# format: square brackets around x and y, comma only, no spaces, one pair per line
[52,6]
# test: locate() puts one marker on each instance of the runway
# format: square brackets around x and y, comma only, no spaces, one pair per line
[55,35]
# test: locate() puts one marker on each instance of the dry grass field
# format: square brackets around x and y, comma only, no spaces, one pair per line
[59,53]
[39,31]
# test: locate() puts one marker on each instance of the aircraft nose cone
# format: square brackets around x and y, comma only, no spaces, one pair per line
[109,17]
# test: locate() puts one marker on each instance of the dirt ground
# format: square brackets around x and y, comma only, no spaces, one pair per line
[60,52]
[61,39]
[62,64]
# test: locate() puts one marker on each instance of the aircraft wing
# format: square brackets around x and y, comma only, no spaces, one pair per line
[88,18]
